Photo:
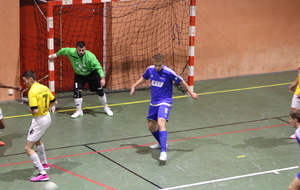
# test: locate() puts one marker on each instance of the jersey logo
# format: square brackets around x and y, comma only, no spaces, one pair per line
[31,131]
[157,83]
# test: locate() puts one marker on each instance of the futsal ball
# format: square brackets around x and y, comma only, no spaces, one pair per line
[50,186]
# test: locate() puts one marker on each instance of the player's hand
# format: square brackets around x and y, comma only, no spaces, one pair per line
[18,88]
[132,91]
[52,109]
[292,87]
[194,95]
[102,82]
[51,57]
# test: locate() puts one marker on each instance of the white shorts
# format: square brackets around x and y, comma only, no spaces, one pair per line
[1,115]
[295,102]
[38,127]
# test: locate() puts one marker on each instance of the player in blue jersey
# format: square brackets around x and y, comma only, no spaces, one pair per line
[161,81]
[295,123]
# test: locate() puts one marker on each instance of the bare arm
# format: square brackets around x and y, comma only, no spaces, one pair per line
[192,94]
[140,81]
[35,111]
[53,104]
[293,85]
[8,86]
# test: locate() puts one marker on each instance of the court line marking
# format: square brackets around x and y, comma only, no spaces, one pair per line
[224,91]
[231,178]
[175,97]
[107,150]
[126,147]
[82,177]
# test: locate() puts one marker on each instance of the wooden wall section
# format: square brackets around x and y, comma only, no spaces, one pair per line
[233,38]
[10,48]
[242,37]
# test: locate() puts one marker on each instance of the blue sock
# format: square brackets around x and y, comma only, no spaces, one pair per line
[156,135]
[163,137]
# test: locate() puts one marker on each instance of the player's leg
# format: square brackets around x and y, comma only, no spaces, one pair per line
[78,86]
[163,138]
[2,126]
[42,176]
[152,125]
[295,184]
[295,105]
[103,100]
[37,129]
[42,154]
[94,83]
[162,118]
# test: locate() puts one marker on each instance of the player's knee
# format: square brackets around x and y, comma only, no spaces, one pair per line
[100,92]
[27,149]
[77,93]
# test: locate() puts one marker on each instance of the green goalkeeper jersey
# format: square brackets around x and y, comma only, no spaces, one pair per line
[82,65]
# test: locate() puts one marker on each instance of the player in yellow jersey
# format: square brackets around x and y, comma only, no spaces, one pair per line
[2,124]
[295,88]
[40,101]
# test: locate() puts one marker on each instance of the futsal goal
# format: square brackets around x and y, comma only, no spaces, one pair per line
[122,34]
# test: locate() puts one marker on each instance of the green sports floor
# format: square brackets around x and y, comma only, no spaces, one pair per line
[235,136]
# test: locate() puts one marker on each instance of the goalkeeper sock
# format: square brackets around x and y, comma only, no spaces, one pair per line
[163,137]
[156,135]
[103,100]
[78,103]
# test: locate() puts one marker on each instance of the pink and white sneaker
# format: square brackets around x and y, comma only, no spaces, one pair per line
[293,136]
[40,177]
[46,166]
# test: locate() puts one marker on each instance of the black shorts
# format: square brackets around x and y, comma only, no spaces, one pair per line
[93,79]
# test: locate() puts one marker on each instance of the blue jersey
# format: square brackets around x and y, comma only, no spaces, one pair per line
[161,84]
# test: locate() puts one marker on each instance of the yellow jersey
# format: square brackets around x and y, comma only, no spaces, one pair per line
[39,97]
[297,91]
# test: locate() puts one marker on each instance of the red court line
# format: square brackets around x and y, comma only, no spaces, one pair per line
[107,150]
[229,132]
[82,177]
[107,187]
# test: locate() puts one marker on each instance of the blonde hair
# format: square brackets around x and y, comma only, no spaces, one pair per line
[158,57]
[295,113]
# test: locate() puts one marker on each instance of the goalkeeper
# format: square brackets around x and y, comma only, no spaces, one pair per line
[161,81]
[87,70]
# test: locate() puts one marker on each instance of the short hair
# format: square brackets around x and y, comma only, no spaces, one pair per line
[158,57]
[295,113]
[29,74]
[80,44]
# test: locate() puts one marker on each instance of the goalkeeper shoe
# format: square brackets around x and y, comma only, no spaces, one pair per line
[77,113]
[108,111]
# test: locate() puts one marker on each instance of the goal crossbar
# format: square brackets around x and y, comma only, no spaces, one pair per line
[50,40]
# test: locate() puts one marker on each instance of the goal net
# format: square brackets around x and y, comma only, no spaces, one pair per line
[122,34]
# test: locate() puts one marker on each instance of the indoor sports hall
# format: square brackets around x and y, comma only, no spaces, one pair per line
[235,136]
[239,56]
